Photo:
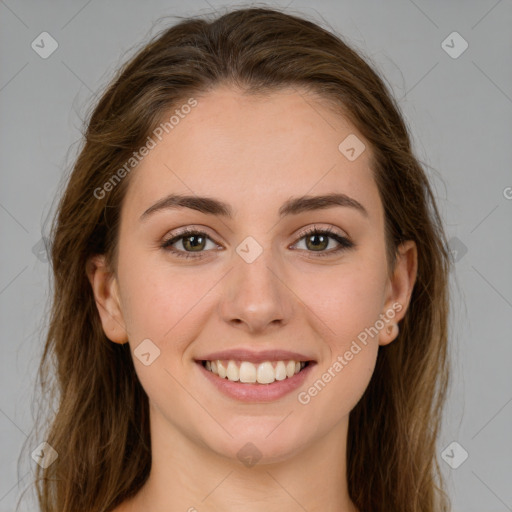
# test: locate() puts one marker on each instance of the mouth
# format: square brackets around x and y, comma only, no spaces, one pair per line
[246,372]
[265,378]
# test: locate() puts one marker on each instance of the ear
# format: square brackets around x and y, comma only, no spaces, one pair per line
[106,294]
[399,289]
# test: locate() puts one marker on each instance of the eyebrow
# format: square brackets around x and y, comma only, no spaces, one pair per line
[292,206]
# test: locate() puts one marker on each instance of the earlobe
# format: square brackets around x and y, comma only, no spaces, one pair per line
[400,288]
[391,332]
[106,295]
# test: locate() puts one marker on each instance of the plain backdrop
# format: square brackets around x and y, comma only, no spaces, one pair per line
[458,105]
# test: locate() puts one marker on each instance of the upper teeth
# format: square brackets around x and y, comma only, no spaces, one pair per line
[263,373]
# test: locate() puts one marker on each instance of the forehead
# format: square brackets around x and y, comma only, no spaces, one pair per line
[254,151]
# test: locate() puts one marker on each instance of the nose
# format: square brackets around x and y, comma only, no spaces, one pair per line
[256,297]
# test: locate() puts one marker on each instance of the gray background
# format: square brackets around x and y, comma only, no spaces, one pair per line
[459,111]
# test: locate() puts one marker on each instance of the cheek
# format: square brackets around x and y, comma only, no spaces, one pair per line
[351,300]
[161,304]
[339,385]
[158,299]
[350,307]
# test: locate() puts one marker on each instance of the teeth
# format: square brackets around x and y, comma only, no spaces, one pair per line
[233,373]
[221,370]
[290,369]
[246,372]
[266,373]
[280,370]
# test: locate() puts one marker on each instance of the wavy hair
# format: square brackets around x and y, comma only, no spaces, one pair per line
[100,425]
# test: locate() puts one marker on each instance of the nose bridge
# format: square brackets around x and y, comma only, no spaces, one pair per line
[259,275]
[256,295]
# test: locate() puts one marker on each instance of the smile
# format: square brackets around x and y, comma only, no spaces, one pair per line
[255,382]
[246,372]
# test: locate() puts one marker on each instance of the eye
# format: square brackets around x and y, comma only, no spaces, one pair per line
[317,240]
[192,241]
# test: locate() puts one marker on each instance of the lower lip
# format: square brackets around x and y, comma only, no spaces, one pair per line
[257,392]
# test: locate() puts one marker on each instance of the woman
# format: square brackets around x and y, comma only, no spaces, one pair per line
[250,301]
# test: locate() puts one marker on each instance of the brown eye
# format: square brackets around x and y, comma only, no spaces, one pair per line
[318,240]
[192,241]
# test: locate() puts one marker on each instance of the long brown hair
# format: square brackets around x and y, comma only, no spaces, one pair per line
[100,428]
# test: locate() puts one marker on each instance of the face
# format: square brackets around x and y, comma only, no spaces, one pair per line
[261,278]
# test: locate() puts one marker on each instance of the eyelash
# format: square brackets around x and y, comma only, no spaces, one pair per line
[345,243]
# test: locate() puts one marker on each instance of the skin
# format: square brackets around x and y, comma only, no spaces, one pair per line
[254,153]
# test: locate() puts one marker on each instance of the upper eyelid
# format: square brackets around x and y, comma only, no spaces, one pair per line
[189,231]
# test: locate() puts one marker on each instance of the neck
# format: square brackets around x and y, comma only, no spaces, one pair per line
[190,477]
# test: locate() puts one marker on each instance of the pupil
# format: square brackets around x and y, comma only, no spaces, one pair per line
[194,244]
[312,237]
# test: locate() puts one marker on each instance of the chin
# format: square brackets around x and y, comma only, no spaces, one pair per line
[260,442]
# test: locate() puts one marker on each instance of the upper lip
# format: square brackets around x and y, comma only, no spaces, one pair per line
[255,357]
